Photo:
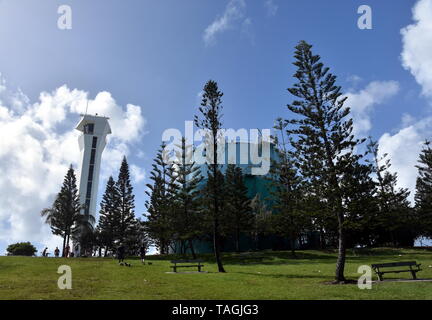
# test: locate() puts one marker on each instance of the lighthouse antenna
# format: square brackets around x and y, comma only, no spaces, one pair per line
[87,107]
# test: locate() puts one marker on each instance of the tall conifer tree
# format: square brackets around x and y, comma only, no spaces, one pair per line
[395,214]
[160,206]
[324,141]
[65,216]
[210,120]
[423,196]
[238,210]
[187,219]
[126,199]
[109,219]
[287,190]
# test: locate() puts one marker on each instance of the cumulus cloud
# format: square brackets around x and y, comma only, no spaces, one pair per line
[417,46]
[403,148]
[38,144]
[363,101]
[271,7]
[234,13]
[405,145]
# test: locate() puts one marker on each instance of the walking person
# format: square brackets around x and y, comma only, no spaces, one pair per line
[56,252]
[121,255]
[44,252]
[143,250]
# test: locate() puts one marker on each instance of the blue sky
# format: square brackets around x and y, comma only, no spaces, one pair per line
[155,57]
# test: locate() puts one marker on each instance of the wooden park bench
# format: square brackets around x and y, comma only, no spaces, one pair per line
[411,266]
[186,264]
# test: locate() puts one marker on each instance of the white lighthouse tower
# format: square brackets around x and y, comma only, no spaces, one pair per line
[92,142]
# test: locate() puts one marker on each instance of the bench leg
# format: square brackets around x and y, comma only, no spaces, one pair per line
[414,275]
[175,269]
[199,268]
[380,277]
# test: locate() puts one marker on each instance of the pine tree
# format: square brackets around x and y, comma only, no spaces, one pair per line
[136,237]
[358,191]
[187,218]
[287,192]
[261,221]
[126,198]
[323,141]
[65,216]
[423,196]
[237,204]
[161,205]
[395,216]
[210,119]
[109,219]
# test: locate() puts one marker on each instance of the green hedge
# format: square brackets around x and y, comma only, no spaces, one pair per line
[21,249]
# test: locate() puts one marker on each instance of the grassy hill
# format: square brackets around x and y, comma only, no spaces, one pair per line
[277,276]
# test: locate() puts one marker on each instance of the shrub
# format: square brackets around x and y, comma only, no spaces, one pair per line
[21,249]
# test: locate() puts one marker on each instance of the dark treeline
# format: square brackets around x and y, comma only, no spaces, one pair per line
[324,181]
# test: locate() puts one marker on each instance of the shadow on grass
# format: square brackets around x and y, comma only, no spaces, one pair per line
[301,257]
[388,251]
[286,276]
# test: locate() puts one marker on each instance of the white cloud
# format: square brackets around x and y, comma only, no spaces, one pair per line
[405,146]
[362,103]
[271,7]
[417,46]
[138,174]
[403,149]
[38,144]
[234,13]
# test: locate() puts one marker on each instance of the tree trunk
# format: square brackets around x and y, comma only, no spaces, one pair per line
[64,245]
[183,247]
[216,245]
[340,264]
[237,242]
[322,239]
[192,249]
[67,244]
[292,245]
[162,247]
[216,242]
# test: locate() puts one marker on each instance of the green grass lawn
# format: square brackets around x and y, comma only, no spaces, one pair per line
[278,276]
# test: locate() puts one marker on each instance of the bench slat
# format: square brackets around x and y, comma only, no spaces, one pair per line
[195,265]
[394,264]
[398,271]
